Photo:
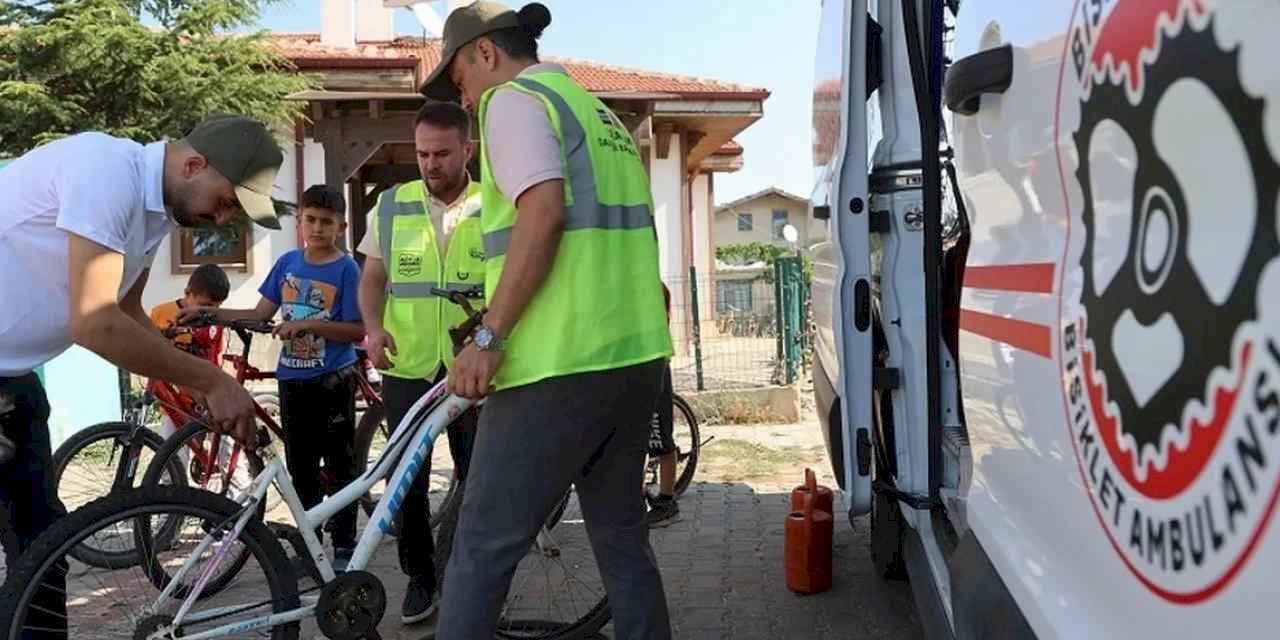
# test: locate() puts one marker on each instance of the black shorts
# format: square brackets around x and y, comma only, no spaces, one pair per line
[661,427]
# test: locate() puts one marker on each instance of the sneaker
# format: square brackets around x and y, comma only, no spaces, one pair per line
[663,512]
[342,558]
[418,603]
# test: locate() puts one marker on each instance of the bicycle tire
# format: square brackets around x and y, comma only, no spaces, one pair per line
[56,542]
[370,424]
[108,431]
[691,460]
[169,452]
[584,628]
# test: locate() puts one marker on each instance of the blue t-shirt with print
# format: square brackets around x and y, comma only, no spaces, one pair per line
[313,291]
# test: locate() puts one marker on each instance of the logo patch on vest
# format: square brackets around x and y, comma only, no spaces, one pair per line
[409,265]
[464,275]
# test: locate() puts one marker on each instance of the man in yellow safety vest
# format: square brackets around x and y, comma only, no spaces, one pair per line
[571,352]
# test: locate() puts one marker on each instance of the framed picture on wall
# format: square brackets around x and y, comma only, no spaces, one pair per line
[227,247]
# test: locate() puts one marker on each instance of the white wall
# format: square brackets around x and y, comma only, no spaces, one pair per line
[667,182]
[702,212]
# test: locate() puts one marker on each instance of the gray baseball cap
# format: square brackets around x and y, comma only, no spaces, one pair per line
[243,151]
[468,23]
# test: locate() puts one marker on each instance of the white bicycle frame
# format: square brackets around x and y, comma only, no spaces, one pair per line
[415,435]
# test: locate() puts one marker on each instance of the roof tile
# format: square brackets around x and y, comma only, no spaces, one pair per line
[306,47]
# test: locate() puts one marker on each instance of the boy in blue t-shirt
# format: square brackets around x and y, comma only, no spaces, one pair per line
[315,291]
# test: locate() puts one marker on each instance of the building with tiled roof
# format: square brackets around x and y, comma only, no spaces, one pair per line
[359,131]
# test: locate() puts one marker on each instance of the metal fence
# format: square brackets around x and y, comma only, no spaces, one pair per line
[739,329]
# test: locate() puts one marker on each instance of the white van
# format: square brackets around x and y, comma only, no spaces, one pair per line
[1048,320]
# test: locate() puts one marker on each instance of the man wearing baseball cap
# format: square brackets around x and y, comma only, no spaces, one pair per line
[81,220]
[571,352]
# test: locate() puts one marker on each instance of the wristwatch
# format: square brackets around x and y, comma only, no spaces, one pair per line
[486,339]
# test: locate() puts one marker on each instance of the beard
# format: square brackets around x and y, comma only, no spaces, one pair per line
[441,183]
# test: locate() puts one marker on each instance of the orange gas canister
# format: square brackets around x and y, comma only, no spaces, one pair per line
[808,542]
[801,494]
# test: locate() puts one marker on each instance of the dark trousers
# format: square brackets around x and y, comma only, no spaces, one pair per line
[590,430]
[416,546]
[319,419]
[27,493]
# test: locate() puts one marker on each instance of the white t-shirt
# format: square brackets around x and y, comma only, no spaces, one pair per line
[106,189]
[524,151]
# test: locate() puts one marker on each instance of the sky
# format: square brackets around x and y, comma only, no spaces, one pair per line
[759,43]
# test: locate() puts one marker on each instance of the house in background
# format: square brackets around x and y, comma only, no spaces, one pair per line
[761,216]
[742,289]
[359,134]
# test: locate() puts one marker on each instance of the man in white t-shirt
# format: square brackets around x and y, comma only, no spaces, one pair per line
[80,222]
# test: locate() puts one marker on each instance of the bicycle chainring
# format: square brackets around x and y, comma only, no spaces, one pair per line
[351,606]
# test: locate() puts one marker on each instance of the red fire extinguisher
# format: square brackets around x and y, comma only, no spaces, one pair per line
[801,494]
[808,542]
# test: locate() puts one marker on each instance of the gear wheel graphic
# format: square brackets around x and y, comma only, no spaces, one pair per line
[1154,281]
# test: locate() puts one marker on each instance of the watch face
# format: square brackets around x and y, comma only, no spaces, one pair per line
[483,337]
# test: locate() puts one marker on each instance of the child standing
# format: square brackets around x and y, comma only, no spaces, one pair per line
[208,286]
[315,291]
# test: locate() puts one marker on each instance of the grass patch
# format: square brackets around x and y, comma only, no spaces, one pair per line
[733,460]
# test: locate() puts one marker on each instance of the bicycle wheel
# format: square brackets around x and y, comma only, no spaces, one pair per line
[124,604]
[101,459]
[371,440]
[557,592]
[191,447]
[688,440]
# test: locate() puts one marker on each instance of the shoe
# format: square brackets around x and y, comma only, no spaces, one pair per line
[342,558]
[418,603]
[663,512]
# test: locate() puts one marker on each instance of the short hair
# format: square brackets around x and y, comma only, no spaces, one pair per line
[515,42]
[322,196]
[444,115]
[210,280]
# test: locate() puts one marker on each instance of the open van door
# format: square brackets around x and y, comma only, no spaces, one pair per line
[842,266]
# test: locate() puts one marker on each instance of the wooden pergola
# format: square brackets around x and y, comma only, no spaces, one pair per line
[368,139]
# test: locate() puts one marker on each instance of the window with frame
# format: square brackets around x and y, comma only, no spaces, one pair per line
[745,222]
[779,222]
[733,296]
[227,247]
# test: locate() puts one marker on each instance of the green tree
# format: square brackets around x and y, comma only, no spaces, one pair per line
[68,66]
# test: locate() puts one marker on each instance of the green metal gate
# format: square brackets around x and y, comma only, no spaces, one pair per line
[791,291]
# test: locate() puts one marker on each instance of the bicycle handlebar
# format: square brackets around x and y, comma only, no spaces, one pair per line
[462,298]
[205,319]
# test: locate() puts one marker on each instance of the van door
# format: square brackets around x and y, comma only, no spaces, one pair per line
[842,271]
[1120,310]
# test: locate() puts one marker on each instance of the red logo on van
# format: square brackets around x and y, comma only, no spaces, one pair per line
[1171,306]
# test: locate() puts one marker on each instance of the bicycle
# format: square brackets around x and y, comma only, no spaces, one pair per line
[106,457]
[348,606]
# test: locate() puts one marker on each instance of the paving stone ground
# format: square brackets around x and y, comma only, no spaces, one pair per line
[723,563]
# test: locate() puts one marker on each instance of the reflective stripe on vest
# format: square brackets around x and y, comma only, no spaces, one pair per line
[586,212]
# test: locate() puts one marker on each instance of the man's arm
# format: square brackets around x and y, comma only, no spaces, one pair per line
[121,335]
[531,254]
[132,302]
[372,293]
